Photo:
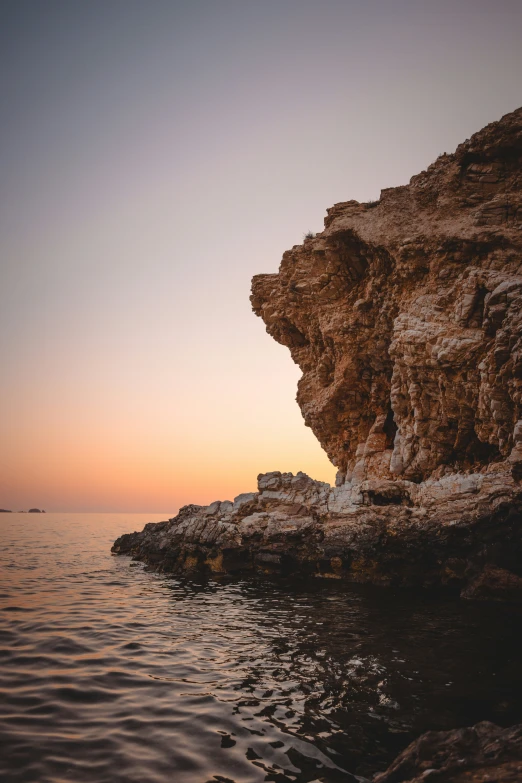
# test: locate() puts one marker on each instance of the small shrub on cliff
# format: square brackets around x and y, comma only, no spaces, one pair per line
[309,235]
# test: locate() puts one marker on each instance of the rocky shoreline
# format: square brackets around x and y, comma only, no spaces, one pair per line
[457,531]
[405,317]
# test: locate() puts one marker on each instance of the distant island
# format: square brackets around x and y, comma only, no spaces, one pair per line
[31,511]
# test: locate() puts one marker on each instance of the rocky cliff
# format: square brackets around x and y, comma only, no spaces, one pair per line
[405,317]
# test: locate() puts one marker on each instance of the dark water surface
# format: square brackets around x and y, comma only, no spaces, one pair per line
[110,673]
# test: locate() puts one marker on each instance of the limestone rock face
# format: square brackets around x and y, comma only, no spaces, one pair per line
[405,318]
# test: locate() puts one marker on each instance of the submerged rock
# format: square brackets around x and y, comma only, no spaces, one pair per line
[484,753]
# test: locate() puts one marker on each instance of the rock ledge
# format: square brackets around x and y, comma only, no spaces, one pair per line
[458,531]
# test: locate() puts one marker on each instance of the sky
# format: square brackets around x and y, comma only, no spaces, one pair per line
[154,156]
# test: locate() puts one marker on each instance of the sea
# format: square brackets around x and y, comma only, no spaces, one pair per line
[112,673]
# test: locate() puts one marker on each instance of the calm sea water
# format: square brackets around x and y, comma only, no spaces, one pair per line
[110,673]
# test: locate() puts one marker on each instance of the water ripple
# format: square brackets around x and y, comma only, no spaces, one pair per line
[113,673]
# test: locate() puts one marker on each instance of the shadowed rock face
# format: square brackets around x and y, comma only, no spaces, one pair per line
[405,317]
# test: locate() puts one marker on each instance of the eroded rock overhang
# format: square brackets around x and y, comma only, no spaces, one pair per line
[405,317]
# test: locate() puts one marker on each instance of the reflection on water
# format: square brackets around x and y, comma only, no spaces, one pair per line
[112,673]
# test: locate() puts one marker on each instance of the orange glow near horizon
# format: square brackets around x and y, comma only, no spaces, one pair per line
[108,470]
[79,446]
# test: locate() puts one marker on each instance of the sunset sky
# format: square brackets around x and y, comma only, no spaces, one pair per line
[154,156]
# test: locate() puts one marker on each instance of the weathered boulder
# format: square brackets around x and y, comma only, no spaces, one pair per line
[484,753]
[495,584]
